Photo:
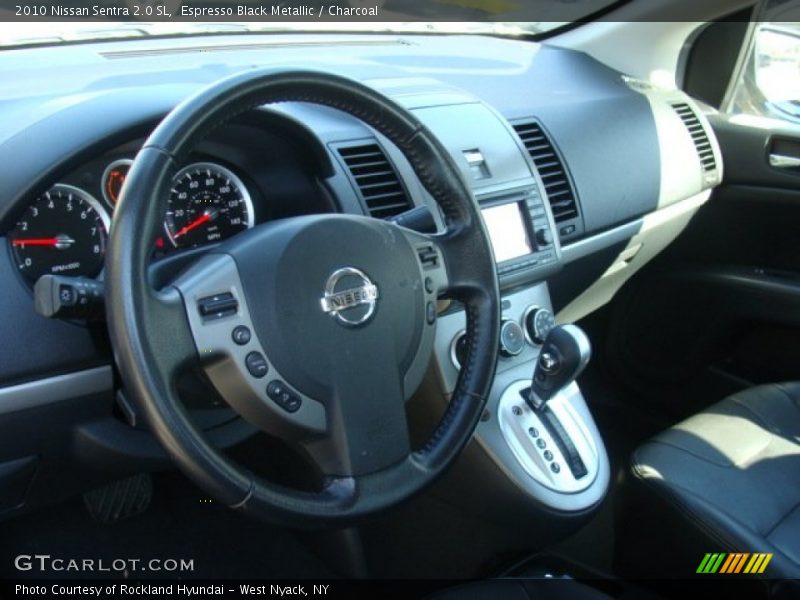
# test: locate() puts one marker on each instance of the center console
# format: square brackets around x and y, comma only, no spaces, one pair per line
[554,455]
[546,452]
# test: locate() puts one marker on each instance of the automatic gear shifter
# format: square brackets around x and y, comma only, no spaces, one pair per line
[548,427]
[565,353]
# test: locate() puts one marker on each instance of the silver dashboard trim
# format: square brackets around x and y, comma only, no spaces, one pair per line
[600,241]
[51,390]
[524,322]
[490,437]
[453,344]
[516,419]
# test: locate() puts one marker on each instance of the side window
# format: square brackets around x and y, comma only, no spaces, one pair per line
[769,80]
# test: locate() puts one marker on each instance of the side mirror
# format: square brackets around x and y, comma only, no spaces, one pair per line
[777,69]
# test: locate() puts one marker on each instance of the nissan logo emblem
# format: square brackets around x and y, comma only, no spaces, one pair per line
[350,297]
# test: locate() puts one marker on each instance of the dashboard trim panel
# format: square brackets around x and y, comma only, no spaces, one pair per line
[589,245]
[56,389]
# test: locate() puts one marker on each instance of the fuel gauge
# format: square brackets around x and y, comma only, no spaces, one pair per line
[113,179]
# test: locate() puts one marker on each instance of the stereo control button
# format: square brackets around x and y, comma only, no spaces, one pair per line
[544,237]
[241,335]
[283,397]
[256,364]
[430,313]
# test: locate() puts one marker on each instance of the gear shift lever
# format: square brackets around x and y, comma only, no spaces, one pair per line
[565,353]
[552,434]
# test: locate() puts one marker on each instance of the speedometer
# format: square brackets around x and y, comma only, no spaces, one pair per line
[62,232]
[208,203]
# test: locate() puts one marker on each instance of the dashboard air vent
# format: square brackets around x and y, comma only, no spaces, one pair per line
[551,169]
[699,136]
[383,193]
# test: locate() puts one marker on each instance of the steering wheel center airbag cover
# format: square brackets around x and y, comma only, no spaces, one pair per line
[285,269]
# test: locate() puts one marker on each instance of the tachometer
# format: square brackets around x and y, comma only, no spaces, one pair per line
[207,203]
[62,232]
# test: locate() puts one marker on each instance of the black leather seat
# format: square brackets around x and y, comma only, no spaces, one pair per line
[724,480]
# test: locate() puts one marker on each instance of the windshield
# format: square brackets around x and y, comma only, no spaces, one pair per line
[113,19]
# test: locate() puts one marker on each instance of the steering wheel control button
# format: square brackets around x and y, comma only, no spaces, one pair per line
[256,365]
[283,397]
[241,335]
[555,467]
[534,433]
[541,443]
[430,313]
[350,297]
[512,339]
[548,456]
[217,306]
[429,285]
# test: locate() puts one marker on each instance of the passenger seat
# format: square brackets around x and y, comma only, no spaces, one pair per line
[726,480]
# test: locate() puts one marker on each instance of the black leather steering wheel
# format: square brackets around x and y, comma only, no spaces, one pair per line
[342,311]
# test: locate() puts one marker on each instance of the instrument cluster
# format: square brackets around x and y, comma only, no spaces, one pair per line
[64,231]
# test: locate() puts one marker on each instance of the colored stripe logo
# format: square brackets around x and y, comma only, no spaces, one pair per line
[734,563]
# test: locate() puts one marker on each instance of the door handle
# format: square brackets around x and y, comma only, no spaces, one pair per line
[781,161]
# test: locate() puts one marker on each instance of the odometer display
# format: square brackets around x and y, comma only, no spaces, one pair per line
[63,232]
[207,204]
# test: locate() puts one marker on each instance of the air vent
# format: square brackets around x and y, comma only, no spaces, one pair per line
[551,170]
[380,187]
[699,136]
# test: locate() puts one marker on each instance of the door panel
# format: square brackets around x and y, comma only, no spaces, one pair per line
[719,310]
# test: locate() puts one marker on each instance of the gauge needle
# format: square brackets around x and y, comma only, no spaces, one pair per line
[204,218]
[61,242]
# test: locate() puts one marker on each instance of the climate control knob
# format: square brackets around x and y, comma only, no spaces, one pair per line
[537,322]
[512,338]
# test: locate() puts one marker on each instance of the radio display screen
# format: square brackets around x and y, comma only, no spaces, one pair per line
[507,231]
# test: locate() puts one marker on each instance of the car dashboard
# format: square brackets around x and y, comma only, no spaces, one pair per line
[247,173]
[582,174]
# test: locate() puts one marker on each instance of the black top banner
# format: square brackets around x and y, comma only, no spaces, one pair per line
[370,11]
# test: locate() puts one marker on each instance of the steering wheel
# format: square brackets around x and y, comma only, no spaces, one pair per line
[316,329]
